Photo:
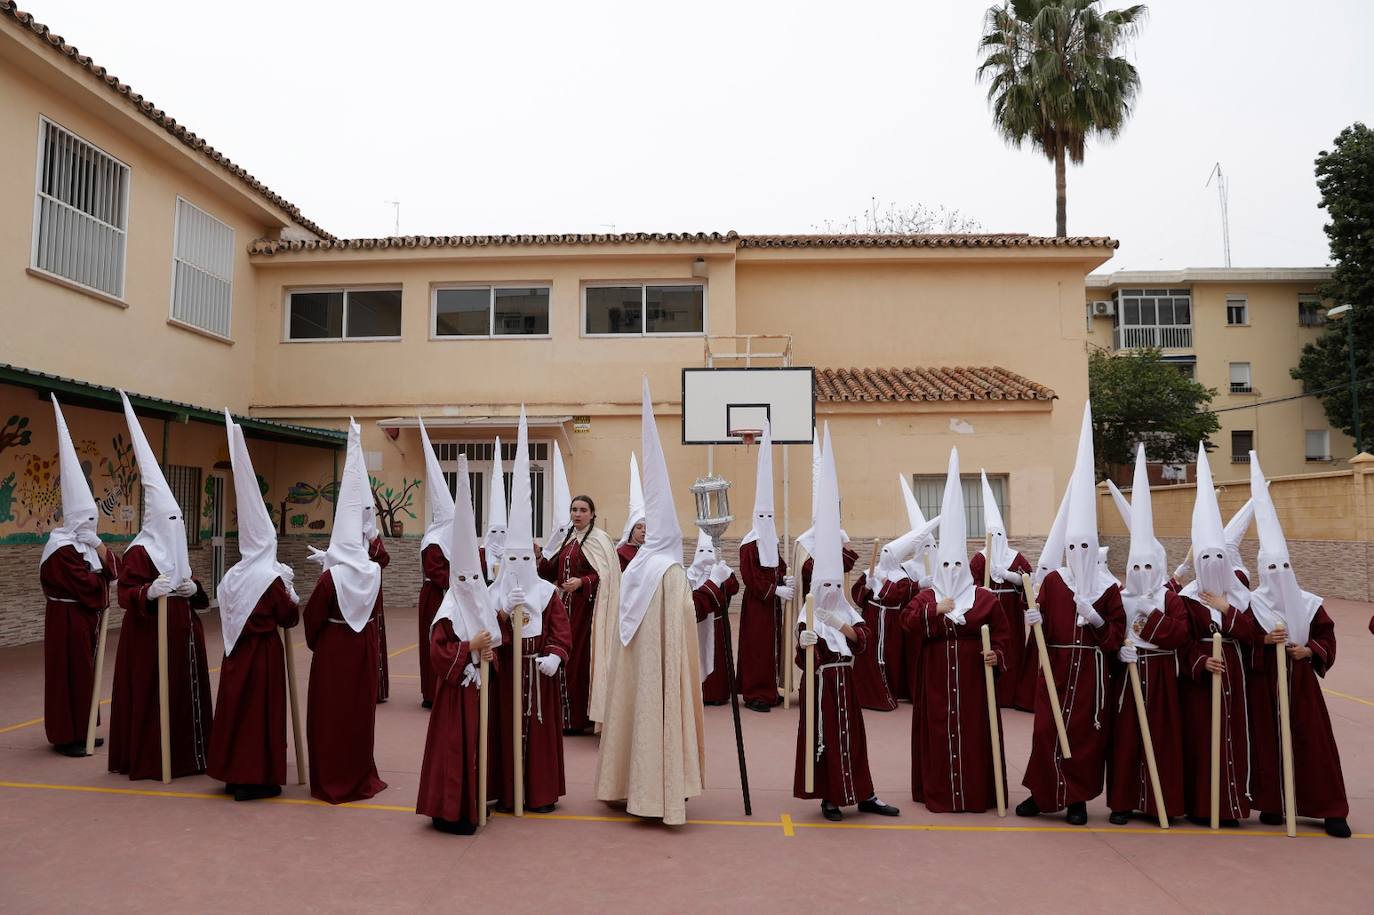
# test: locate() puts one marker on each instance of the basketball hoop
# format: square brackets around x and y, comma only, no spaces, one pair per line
[747,436]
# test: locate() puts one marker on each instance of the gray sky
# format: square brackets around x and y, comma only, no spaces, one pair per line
[755,116]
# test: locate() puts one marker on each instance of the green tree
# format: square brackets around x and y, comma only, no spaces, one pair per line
[1345,177]
[1055,77]
[1136,397]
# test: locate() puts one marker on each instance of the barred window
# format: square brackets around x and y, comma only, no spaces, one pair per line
[930,492]
[202,270]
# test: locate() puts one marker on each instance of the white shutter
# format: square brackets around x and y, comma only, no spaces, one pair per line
[80,211]
[202,270]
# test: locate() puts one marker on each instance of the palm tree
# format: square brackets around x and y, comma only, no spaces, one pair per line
[1055,78]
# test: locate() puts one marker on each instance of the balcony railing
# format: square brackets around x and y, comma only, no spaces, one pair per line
[1164,336]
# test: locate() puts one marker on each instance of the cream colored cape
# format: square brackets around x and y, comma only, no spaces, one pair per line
[599,549]
[653,748]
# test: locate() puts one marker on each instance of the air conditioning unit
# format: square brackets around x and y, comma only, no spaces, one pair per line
[1104,309]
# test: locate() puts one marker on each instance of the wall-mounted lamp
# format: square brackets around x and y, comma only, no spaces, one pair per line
[699,267]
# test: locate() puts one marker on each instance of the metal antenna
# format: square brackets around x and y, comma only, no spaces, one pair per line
[396,229]
[1225,214]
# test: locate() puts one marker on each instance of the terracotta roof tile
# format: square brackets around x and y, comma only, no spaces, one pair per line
[921,384]
[996,240]
[9,9]
[272,246]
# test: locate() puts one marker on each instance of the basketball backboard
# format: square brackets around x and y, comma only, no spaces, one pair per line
[716,403]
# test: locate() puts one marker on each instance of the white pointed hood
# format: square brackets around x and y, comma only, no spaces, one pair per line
[245,582]
[1235,532]
[467,604]
[438,500]
[827,576]
[1215,573]
[1052,553]
[518,564]
[1081,553]
[80,517]
[357,579]
[494,540]
[807,538]
[703,560]
[163,533]
[764,531]
[1278,599]
[922,563]
[897,557]
[1123,506]
[635,514]
[562,497]
[662,547]
[1002,555]
[952,577]
[1146,573]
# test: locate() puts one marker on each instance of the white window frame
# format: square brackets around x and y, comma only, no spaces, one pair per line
[1325,456]
[38,195]
[971,484]
[1240,387]
[358,287]
[172,293]
[1234,299]
[491,334]
[643,305]
[543,466]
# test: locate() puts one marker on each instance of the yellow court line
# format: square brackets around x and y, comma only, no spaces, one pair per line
[32,721]
[1332,692]
[786,823]
[403,650]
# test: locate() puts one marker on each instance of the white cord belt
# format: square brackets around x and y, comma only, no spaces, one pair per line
[820,695]
[1098,686]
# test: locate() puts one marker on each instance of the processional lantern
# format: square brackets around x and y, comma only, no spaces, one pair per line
[713,505]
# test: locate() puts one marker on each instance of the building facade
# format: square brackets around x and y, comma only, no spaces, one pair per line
[1239,331]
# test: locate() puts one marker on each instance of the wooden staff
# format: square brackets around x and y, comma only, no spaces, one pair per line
[1148,743]
[810,711]
[295,704]
[163,698]
[517,620]
[1038,631]
[1216,734]
[483,711]
[788,630]
[994,729]
[95,687]
[1290,812]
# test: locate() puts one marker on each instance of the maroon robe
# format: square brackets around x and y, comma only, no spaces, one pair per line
[135,732]
[1238,629]
[880,675]
[842,777]
[1128,777]
[434,567]
[574,677]
[1021,648]
[341,713]
[626,552]
[713,601]
[76,597]
[376,551]
[1078,657]
[760,631]
[951,746]
[448,773]
[543,712]
[1317,778]
[248,741]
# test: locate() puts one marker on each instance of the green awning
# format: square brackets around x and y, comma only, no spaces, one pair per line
[71,391]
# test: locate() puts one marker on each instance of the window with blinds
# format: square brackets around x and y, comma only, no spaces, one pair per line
[202,270]
[81,210]
[930,491]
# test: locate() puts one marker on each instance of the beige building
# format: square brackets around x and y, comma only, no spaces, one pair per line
[1239,331]
[139,257]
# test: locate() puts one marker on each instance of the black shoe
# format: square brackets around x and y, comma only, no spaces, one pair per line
[74,750]
[1077,814]
[1119,817]
[1271,819]
[757,705]
[255,792]
[1337,828]
[1199,821]
[1028,808]
[1229,824]
[506,810]
[230,788]
[831,812]
[99,742]
[454,827]
[425,703]
[547,808]
[873,805]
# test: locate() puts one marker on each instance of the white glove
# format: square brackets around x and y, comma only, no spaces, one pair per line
[315,555]
[785,592]
[548,664]
[186,589]
[807,638]
[1033,616]
[514,598]
[827,617]
[1183,569]
[720,573]
[1007,576]
[161,587]
[1087,616]
[471,675]
[1127,653]
[789,580]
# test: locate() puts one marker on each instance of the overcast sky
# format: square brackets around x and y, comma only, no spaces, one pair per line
[747,115]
